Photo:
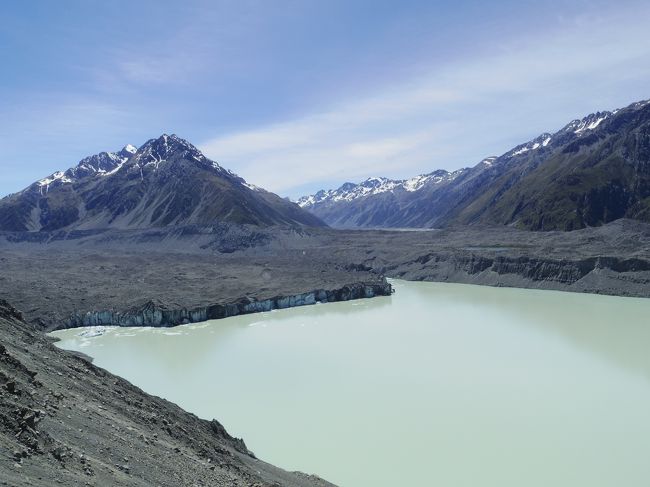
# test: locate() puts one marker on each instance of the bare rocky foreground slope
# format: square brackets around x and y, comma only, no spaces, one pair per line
[64,421]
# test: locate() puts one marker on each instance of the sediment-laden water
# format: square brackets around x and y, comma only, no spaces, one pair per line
[439,384]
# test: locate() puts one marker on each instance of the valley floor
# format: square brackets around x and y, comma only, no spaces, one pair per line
[172,270]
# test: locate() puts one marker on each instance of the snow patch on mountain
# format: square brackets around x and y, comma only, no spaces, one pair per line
[532,145]
[488,161]
[251,186]
[589,126]
[44,184]
[590,122]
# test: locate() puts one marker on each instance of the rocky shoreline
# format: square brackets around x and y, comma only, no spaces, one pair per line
[64,421]
[155,315]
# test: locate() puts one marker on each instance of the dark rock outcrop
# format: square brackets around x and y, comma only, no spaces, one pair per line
[600,275]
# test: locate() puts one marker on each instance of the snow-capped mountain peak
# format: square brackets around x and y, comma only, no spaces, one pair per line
[148,157]
[155,151]
[167,181]
[377,185]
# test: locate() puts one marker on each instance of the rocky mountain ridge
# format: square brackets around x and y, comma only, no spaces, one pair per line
[377,185]
[592,171]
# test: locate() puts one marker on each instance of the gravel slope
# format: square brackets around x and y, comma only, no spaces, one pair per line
[64,421]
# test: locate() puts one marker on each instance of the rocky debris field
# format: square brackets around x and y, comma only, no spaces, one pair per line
[66,281]
[52,284]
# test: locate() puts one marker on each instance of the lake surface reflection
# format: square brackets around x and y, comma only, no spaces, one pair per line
[439,384]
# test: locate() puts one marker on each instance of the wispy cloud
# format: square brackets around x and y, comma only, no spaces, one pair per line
[53,116]
[455,114]
[203,43]
[32,132]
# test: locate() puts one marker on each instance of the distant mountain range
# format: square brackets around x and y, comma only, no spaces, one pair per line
[165,182]
[592,171]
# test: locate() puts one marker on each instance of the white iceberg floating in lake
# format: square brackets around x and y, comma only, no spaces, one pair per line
[93,331]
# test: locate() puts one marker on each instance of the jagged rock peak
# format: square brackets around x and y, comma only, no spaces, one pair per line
[165,147]
[170,142]
[160,149]
[589,122]
[638,105]
[102,164]
[128,150]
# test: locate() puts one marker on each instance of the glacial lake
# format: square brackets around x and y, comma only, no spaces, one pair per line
[440,384]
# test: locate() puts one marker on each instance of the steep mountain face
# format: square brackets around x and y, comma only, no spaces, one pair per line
[596,171]
[592,171]
[165,182]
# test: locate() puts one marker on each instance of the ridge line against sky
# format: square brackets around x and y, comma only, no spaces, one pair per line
[296,96]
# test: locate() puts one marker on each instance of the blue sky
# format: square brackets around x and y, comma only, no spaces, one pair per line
[299,95]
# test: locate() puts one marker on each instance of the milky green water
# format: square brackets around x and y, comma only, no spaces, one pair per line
[438,385]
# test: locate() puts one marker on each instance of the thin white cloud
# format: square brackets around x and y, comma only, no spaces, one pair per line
[56,115]
[202,45]
[452,116]
[32,128]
